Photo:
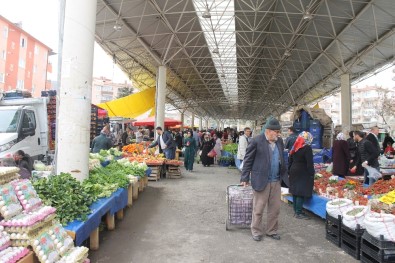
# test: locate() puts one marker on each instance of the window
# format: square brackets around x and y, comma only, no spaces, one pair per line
[34,68]
[2,77]
[106,88]
[22,63]
[29,120]
[3,54]
[20,84]
[23,42]
[36,49]
[5,32]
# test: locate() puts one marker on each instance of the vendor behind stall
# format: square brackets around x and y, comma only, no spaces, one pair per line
[25,164]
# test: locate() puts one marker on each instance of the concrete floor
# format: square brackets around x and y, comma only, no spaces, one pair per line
[183,220]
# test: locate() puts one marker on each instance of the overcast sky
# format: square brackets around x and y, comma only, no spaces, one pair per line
[40,19]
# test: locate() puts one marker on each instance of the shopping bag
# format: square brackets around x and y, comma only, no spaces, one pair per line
[212,153]
[183,150]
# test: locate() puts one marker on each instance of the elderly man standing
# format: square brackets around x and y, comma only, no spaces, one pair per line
[264,162]
[372,137]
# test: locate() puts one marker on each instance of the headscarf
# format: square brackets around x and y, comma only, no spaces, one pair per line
[341,137]
[304,138]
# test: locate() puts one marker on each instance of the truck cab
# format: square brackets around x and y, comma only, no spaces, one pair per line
[24,126]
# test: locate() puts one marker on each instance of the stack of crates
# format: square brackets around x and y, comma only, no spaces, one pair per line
[376,250]
[316,129]
[333,229]
[351,240]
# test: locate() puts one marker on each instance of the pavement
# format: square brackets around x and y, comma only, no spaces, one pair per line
[183,220]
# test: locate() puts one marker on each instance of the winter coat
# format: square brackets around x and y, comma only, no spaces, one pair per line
[373,139]
[289,142]
[257,163]
[206,147]
[101,142]
[368,152]
[341,158]
[301,172]
[241,150]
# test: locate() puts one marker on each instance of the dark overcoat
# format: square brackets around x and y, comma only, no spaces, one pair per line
[257,162]
[341,158]
[301,172]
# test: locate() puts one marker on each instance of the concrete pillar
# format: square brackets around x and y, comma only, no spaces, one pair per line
[192,120]
[238,125]
[182,121]
[346,102]
[73,130]
[160,97]
[206,124]
[201,123]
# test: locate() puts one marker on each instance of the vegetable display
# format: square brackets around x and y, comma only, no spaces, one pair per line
[231,147]
[67,195]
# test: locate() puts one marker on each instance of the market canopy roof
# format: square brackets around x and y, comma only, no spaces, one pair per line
[247,59]
[151,122]
[131,106]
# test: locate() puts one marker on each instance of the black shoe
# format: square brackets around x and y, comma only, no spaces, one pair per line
[275,236]
[257,238]
[302,216]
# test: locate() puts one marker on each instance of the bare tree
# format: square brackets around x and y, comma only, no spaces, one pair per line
[124,91]
[386,106]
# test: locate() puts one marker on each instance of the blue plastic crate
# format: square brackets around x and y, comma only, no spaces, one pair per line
[315,123]
[297,125]
[316,145]
[316,130]
[305,120]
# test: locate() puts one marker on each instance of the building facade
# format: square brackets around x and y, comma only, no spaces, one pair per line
[367,104]
[104,89]
[23,60]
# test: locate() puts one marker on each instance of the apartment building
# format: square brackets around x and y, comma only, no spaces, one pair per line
[23,60]
[366,103]
[103,89]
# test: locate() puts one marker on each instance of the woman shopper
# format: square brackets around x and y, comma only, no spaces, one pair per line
[207,145]
[189,153]
[341,156]
[218,146]
[301,172]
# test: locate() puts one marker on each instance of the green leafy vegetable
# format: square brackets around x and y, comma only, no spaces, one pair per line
[67,195]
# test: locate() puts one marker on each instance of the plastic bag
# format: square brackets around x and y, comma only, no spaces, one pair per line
[373,173]
[241,166]
[352,221]
[380,224]
[329,168]
[338,206]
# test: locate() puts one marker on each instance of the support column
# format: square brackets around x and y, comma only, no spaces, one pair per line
[182,121]
[160,97]
[346,102]
[206,124]
[193,121]
[238,125]
[74,113]
[201,123]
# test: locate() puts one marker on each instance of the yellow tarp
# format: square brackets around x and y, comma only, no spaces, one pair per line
[131,106]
